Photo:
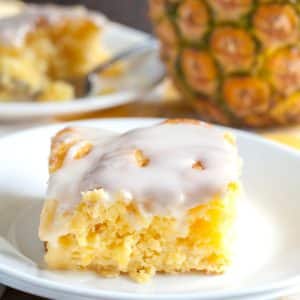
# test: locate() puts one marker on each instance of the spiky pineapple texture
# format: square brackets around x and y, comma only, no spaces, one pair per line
[238,60]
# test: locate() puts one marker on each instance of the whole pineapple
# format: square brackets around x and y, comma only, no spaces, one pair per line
[237,60]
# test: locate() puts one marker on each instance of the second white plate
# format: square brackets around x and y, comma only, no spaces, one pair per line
[116,37]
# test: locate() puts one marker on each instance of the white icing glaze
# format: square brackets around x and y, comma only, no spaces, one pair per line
[167,185]
[14,28]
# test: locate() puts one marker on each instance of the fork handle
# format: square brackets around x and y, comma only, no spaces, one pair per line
[149,45]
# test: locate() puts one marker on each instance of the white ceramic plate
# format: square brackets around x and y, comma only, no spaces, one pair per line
[267,260]
[116,37]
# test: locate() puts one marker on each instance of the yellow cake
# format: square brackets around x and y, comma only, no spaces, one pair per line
[155,199]
[43,47]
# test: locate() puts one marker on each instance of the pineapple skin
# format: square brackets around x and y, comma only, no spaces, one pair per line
[236,61]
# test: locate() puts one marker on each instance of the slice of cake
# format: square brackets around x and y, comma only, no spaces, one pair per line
[43,47]
[156,199]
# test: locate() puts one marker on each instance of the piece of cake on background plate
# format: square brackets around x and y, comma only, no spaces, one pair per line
[44,47]
[156,199]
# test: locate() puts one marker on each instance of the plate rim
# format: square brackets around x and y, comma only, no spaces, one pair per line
[16,277]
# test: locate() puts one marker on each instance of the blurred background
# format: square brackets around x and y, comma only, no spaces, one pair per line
[130,12]
[134,13]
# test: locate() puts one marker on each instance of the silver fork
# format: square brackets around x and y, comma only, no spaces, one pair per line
[143,71]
